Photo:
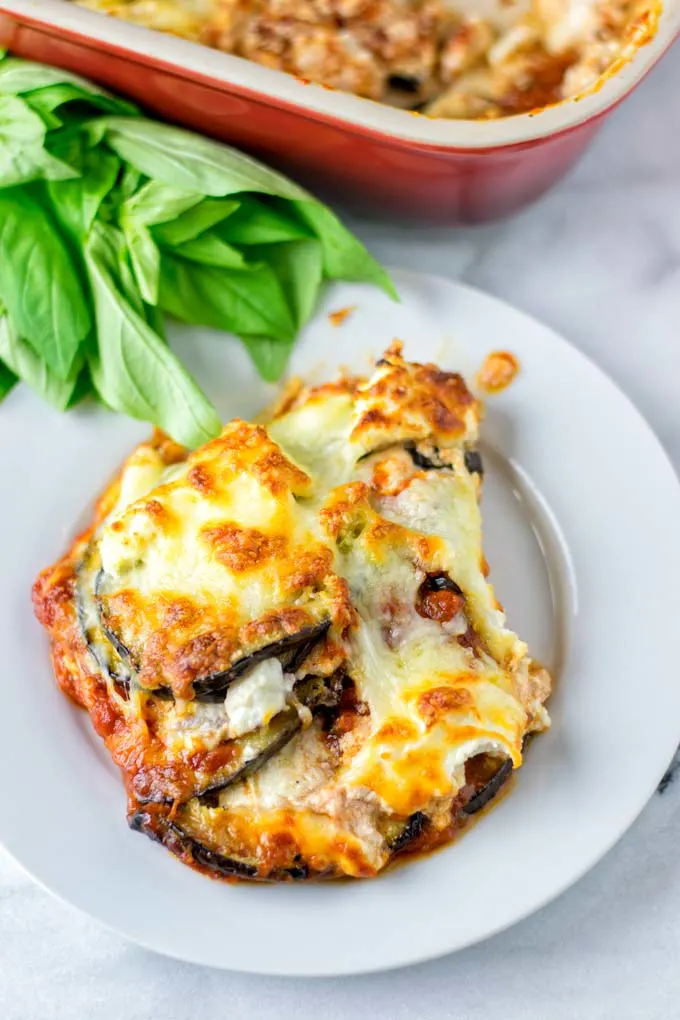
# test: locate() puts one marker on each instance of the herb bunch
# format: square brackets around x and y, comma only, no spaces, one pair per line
[109,221]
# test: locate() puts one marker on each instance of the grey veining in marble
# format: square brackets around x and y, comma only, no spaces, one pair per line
[598,259]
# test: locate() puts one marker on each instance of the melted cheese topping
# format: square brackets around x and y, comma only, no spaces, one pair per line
[324,515]
[215,563]
[427,693]
[445,505]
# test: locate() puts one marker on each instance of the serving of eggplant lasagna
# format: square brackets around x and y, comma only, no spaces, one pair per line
[286,638]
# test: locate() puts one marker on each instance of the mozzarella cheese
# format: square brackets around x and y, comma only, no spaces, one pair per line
[251,702]
[225,542]
[427,693]
[257,697]
[323,516]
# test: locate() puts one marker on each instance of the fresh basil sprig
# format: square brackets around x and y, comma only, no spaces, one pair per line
[109,220]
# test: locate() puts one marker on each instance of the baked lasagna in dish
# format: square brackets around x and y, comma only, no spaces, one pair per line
[469,60]
[287,639]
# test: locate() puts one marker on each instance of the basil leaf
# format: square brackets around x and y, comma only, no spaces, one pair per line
[157,203]
[250,302]
[124,272]
[83,389]
[129,182]
[18,122]
[182,159]
[17,76]
[257,223]
[22,157]
[193,222]
[22,136]
[69,142]
[77,202]
[270,357]
[47,98]
[126,275]
[146,260]
[30,163]
[39,283]
[8,380]
[299,267]
[210,250]
[50,120]
[20,357]
[130,288]
[94,130]
[154,316]
[344,256]
[133,370]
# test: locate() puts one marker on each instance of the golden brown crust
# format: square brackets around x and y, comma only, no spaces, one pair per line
[410,402]
[169,451]
[242,549]
[255,553]
[243,447]
[344,508]
[436,703]
[189,622]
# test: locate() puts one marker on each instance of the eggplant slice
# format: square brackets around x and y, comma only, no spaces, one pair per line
[439,582]
[489,790]
[119,646]
[111,655]
[419,459]
[210,860]
[291,650]
[410,830]
[114,668]
[434,462]
[160,829]
[474,462]
[318,694]
[259,747]
[401,835]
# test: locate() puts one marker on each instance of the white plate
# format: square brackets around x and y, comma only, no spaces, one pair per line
[581,512]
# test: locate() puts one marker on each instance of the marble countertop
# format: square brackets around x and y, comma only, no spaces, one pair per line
[599,260]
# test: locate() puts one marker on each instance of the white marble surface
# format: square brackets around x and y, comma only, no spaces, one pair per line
[598,259]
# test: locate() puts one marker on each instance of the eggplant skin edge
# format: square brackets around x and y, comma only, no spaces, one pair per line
[214,687]
[482,797]
[207,794]
[473,461]
[252,766]
[210,862]
[412,829]
[158,827]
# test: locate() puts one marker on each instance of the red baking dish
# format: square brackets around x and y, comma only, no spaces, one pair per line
[374,157]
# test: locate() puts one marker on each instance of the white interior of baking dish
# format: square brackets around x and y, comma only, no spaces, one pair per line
[195,59]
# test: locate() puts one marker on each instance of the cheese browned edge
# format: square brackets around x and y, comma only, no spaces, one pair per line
[435,685]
